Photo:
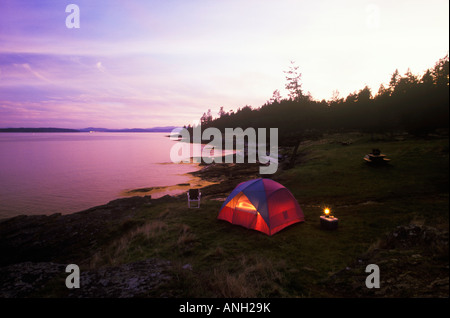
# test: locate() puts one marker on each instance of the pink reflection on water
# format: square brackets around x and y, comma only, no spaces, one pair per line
[44,173]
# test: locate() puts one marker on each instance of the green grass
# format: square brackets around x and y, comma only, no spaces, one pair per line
[231,261]
[338,173]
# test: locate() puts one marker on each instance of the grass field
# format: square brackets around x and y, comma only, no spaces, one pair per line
[213,258]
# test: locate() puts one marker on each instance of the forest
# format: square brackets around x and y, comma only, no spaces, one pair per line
[413,104]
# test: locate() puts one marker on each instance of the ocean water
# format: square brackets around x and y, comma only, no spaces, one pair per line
[45,173]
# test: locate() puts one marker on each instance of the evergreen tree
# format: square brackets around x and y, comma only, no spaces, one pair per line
[394,81]
[276,97]
[293,84]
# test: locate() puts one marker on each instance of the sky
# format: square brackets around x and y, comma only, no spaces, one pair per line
[141,63]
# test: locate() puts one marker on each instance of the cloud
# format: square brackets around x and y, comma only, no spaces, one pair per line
[100,67]
[38,75]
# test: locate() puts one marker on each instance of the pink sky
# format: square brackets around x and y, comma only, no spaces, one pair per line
[157,63]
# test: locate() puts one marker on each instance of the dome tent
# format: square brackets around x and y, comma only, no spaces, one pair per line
[263,205]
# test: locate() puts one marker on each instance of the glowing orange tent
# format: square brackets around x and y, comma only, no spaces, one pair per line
[263,205]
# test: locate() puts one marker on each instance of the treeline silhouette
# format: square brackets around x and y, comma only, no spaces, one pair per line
[410,103]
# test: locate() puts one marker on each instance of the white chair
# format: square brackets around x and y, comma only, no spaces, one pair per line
[194,195]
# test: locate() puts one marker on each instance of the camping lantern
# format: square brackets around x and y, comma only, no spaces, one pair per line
[327,221]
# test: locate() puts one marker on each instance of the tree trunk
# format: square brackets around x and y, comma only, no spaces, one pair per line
[294,155]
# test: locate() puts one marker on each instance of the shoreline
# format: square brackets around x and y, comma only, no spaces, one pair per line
[17,233]
[41,246]
[156,192]
[215,180]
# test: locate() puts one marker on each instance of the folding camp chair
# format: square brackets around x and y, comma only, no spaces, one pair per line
[194,195]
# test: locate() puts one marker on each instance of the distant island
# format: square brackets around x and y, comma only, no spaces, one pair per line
[89,129]
[29,130]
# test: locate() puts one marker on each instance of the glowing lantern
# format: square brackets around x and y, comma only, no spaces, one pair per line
[327,221]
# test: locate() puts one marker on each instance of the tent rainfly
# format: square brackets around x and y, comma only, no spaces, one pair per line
[263,205]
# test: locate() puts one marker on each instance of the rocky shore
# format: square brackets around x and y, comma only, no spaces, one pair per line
[36,249]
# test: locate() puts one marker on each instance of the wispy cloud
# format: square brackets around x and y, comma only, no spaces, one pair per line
[39,76]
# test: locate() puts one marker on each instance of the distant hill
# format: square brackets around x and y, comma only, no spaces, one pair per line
[28,130]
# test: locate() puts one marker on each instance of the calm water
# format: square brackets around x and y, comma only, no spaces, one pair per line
[44,173]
